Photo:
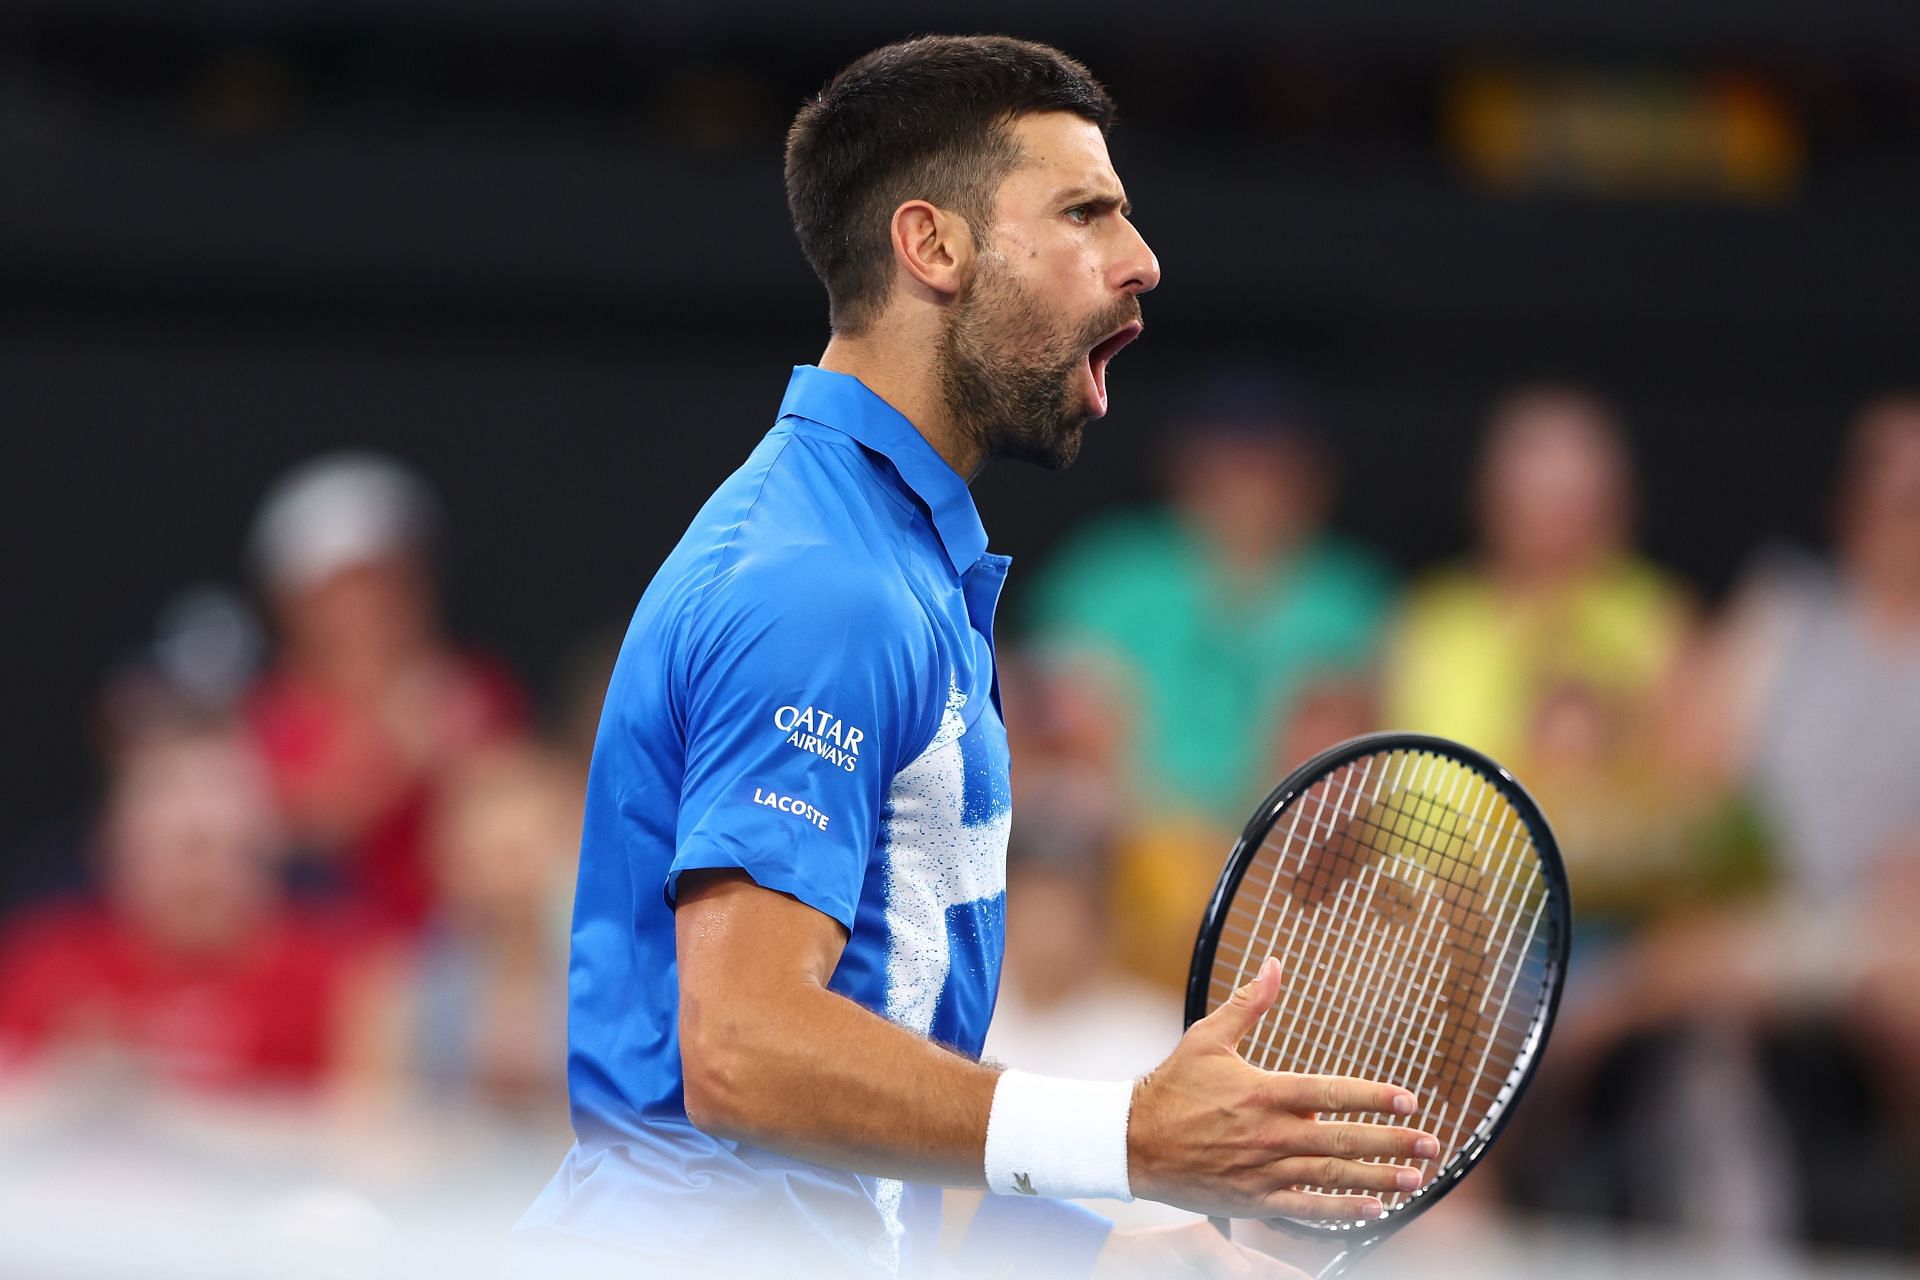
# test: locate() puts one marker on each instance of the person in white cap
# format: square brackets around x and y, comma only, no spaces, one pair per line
[368,701]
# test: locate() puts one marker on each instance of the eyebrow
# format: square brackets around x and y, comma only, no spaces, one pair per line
[1102,201]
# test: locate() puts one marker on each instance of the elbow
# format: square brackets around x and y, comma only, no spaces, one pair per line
[709,1094]
[716,1079]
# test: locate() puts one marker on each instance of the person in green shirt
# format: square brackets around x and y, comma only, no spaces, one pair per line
[1210,615]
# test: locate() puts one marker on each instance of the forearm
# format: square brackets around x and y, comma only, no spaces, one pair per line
[806,1072]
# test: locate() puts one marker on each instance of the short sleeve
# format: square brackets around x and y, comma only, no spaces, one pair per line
[806,687]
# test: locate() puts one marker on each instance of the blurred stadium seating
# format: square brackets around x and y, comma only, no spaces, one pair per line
[1544,378]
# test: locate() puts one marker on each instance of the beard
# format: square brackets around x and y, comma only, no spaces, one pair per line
[1010,376]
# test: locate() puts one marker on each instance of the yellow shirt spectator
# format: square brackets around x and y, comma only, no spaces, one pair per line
[1477,663]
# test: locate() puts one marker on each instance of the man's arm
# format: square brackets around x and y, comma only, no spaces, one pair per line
[771,1056]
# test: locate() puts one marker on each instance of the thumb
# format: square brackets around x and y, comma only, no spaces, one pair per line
[1229,1024]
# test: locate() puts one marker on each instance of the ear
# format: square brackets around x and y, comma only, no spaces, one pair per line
[934,246]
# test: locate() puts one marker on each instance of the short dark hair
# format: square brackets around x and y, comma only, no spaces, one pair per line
[922,119]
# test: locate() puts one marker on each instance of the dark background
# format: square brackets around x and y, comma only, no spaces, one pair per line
[539,249]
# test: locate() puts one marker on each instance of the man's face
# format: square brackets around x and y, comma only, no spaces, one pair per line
[1555,492]
[1053,295]
[190,835]
[1880,504]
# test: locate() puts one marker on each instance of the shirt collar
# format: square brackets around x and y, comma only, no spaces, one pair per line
[846,404]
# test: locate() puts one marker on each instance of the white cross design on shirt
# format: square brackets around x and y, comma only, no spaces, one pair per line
[935,861]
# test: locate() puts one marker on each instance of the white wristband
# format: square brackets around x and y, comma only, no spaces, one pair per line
[1061,1138]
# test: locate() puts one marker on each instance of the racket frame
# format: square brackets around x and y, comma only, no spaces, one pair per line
[1363,1235]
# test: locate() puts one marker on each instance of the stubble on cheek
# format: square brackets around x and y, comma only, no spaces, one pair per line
[1011,375]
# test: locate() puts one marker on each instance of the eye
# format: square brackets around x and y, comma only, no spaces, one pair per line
[1081,213]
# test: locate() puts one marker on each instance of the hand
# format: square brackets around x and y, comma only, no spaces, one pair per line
[1212,1133]
[1193,1249]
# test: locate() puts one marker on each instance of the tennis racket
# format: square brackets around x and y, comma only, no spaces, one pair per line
[1419,909]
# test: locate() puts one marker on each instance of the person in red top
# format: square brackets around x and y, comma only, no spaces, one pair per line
[368,703]
[185,966]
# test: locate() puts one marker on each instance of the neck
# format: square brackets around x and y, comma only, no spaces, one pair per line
[898,370]
[1527,578]
[1892,601]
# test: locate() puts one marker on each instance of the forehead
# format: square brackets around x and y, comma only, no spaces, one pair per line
[1887,446]
[1060,151]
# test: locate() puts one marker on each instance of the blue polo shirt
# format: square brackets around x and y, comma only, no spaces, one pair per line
[806,693]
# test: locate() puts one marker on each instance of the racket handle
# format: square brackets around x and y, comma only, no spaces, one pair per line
[1341,1264]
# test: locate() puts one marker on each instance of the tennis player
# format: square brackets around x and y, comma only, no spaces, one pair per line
[788,927]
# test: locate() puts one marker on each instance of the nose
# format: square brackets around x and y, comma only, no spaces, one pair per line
[1139,268]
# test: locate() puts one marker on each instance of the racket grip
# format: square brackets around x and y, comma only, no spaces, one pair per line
[1342,1262]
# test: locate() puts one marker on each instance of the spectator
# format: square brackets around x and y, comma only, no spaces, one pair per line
[1794,1013]
[1208,616]
[1551,650]
[476,1007]
[204,649]
[368,703]
[186,966]
[1555,601]
[1821,679]
[1175,639]
[1823,672]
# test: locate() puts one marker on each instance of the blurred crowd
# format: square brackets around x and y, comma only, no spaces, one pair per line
[337,863]
[1736,790]
[332,856]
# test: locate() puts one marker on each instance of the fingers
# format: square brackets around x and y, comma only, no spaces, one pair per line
[1229,1024]
[1354,1141]
[1340,1094]
[1334,1174]
[1317,1206]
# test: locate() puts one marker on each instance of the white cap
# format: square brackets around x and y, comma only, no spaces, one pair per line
[337,510]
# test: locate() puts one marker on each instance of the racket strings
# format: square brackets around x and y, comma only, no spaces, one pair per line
[1403,897]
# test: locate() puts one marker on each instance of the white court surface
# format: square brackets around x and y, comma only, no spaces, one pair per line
[105,1184]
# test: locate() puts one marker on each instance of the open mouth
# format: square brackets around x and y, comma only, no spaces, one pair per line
[1104,351]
